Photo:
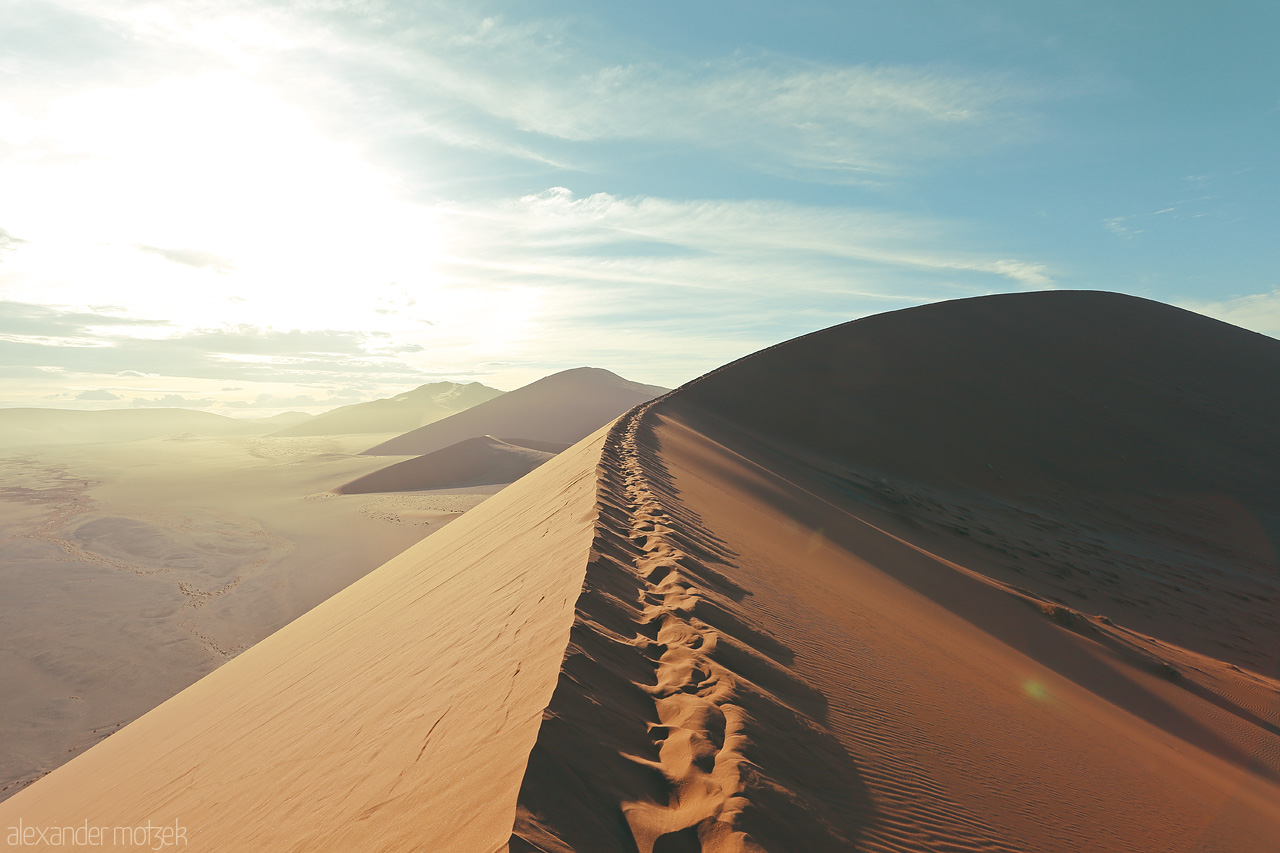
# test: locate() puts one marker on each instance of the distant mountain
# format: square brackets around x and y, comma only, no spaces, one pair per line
[563,407]
[480,461]
[410,410]
[68,426]
[284,419]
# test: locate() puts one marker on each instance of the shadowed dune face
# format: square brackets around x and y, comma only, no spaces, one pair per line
[480,461]
[563,407]
[1112,454]
[1086,390]
[827,624]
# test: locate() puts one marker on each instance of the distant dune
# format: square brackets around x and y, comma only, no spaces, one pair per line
[287,419]
[480,461]
[66,426]
[410,410]
[562,407]
[996,574]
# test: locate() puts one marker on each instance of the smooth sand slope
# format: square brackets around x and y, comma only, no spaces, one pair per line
[563,407]
[128,570]
[395,716]
[988,575]
[401,413]
[480,461]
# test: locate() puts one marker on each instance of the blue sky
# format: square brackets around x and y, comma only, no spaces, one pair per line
[249,206]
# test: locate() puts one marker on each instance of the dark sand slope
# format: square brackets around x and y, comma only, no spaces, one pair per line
[868,617]
[563,407]
[480,461]
[397,715]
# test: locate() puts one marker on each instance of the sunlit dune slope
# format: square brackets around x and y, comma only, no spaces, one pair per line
[866,616]
[562,407]
[480,461]
[397,715]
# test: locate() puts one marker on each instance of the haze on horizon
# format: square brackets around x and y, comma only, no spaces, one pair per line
[247,207]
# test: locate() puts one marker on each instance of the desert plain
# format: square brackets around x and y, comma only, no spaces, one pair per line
[132,568]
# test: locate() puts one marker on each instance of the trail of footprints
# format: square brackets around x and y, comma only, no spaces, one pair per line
[700,729]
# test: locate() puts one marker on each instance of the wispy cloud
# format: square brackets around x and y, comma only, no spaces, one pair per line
[191,258]
[8,242]
[1257,311]
[97,394]
[490,83]
[652,239]
[171,401]
[825,120]
[46,321]
[1181,210]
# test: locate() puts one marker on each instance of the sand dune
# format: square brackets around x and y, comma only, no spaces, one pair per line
[410,410]
[480,461]
[962,588]
[990,575]
[396,715]
[562,407]
[66,426]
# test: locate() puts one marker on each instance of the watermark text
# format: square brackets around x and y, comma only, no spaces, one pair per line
[149,836]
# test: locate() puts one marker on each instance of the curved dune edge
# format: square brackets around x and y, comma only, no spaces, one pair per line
[812,681]
[480,461]
[397,715]
[656,738]
[686,634]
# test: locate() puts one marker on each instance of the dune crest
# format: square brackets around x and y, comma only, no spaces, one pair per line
[876,607]
[563,407]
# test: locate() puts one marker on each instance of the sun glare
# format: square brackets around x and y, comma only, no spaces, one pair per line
[205,201]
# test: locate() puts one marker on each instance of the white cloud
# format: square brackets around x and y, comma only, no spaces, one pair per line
[191,257]
[97,394]
[171,401]
[8,242]
[678,242]
[1259,312]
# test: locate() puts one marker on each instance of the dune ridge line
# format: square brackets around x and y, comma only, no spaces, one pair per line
[648,699]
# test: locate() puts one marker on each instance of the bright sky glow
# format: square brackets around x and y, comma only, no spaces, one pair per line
[250,206]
